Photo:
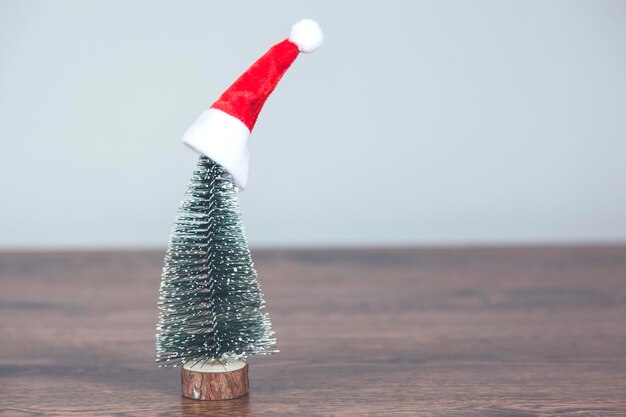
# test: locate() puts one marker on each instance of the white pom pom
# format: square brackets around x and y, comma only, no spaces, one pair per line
[307,35]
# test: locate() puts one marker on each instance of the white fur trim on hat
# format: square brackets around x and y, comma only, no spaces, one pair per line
[224,139]
[307,35]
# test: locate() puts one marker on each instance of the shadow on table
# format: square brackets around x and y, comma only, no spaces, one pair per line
[239,407]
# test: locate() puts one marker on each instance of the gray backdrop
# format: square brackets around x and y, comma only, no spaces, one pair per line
[416,123]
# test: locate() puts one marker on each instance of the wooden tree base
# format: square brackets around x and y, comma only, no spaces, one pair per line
[205,381]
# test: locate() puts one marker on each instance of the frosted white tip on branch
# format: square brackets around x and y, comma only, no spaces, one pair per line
[307,35]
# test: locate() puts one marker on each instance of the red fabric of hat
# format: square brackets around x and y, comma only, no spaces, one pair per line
[221,132]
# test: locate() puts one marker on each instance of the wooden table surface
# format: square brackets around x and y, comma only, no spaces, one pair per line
[515,332]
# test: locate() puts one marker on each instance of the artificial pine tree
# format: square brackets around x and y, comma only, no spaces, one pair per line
[211,310]
[211,306]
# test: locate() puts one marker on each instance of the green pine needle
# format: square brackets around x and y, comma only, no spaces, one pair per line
[210,305]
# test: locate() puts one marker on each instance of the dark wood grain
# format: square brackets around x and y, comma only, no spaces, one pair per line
[515,332]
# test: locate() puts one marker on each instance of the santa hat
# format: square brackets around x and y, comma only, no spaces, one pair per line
[221,132]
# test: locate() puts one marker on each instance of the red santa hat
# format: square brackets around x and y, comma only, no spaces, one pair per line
[222,131]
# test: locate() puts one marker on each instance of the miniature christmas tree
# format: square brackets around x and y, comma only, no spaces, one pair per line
[211,310]
[211,306]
